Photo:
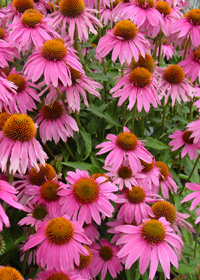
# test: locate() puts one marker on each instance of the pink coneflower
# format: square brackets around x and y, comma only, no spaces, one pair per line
[166,180]
[139,86]
[176,85]
[7,53]
[124,41]
[188,27]
[30,31]
[53,60]
[144,15]
[124,147]
[91,231]
[36,214]
[151,241]
[42,6]
[167,50]
[7,194]
[168,211]
[191,65]
[59,237]
[75,15]
[195,128]
[55,123]
[80,84]
[195,195]
[106,13]
[48,195]
[123,176]
[7,90]
[184,139]
[134,204]
[23,98]
[105,259]
[19,146]
[7,272]
[85,197]
[53,274]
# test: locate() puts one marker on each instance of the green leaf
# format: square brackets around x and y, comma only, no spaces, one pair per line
[184,268]
[99,77]
[82,166]
[88,142]
[155,144]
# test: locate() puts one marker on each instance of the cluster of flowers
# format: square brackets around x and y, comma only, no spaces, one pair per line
[66,243]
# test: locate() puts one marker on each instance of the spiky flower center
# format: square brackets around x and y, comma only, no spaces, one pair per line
[75,75]
[18,80]
[196,55]
[19,127]
[9,273]
[115,3]
[125,29]
[31,18]
[124,172]
[38,178]
[164,209]
[186,137]
[146,62]
[164,170]
[97,175]
[59,231]
[39,212]
[53,111]
[174,74]
[140,77]
[3,119]
[54,50]
[136,195]
[71,8]
[58,276]
[86,190]
[22,5]
[49,191]
[145,4]
[194,16]
[127,141]
[85,261]
[153,231]
[163,7]
[2,34]
[106,253]
[147,166]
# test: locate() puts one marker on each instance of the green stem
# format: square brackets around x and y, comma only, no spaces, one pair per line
[26,254]
[180,166]
[62,99]
[133,116]
[98,16]
[156,46]
[160,48]
[142,126]
[124,113]
[104,83]
[186,48]
[196,242]
[10,178]
[190,114]
[69,150]
[163,119]
[54,8]
[77,118]
[0,4]
[49,151]
[188,179]
[122,70]
[115,109]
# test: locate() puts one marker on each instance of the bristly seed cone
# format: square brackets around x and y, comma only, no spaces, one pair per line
[2,34]
[153,231]
[18,80]
[97,175]
[9,273]
[147,166]
[39,212]
[146,62]
[193,16]
[54,50]
[163,8]
[58,276]
[124,172]
[38,178]
[164,209]
[31,18]
[106,253]
[53,111]
[3,119]
[75,75]
[127,141]
[140,77]
[85,261]
[136,195]
[174,74]
[22,5]
[71,8]
[125,29]
[164,170]
[186,137]
[49,191]
[196,55]
[145,4]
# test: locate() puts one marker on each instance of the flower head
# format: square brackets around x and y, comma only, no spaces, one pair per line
[58,275]
[9,273]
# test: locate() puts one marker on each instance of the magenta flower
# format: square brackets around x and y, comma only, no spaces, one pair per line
[55,123]
[191,65]
[86,197]
[195,196]
[167,50]
[7,194]
[91,231]
[32,30]
[19,145]
[139,86]
[7,90]
[23,98]
[188,27]
[53,274]
[59,237]
[75,15]
[105,259]
[176,85]
[124,41]
[53,61]
[7,53]
[184,139]
[134,204]
[124,147]
[151,242]
[195,128]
